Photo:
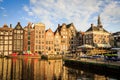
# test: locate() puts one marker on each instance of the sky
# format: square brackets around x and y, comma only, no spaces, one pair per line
[82,13]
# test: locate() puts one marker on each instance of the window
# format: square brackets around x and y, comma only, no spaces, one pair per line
[42,31]
[10,37]
[36,36]
[39,32]
[5,33]
[6,42]
[42,36]
[18,36]
[46,42]
[42,47]
[6,37]
[10,42]
[28,32]
[18,31]
[10,47]
[28,42]
[39,47]
[1,33]
[21,31]
[36,41]
[36,31]
[28,37]
[6,47]
[63,36]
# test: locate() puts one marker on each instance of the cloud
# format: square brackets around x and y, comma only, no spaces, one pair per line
[111,15]
[27,10]
[2,8]
[1,0]
[80,12]
[5,15]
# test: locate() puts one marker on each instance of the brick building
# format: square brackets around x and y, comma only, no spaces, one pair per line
[39,38]
[97,36]
[49,42]
[6,40]
[57,42]
[80,38]
[29,38]
[69,39]
[18,38]
[116,37]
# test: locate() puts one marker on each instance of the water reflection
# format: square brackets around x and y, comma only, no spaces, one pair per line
[30,69]
[35,69]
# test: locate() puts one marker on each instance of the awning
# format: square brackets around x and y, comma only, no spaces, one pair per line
[86,46]
[104,45]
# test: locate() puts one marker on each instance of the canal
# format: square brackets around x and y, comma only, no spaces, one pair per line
[36,69]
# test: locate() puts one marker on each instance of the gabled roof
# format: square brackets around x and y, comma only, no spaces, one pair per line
[94,28]
[5,28]
[49,30]
[67,26]
[29,25]
[18,26]
[56,32]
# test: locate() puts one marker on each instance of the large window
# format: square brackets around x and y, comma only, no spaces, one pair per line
[18,31]
[6,47]
[6,42]
[21,36]
[6,37]
[21,31]
[10,37]
[1,32]
[18,36]
[28,42]
[6,33]
[10,47]
[28,37]
[1,41]
[10,42]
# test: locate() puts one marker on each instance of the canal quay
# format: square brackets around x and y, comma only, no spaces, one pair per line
[58,69]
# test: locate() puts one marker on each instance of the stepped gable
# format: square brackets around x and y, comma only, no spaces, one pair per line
[67,26]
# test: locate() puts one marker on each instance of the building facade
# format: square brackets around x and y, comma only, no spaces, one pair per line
[72,37]
[18,38]
[57,42]
[64,37]
[39,38]
[80,38]
[97,36]
[49,42]
[116,36]
[29,38]
[69,38]
[6,40]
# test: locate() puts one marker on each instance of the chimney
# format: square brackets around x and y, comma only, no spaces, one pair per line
[58,25]
[10,25]
[18,22]
[91,25]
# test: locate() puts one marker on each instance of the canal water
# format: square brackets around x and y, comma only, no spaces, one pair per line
[36,69]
